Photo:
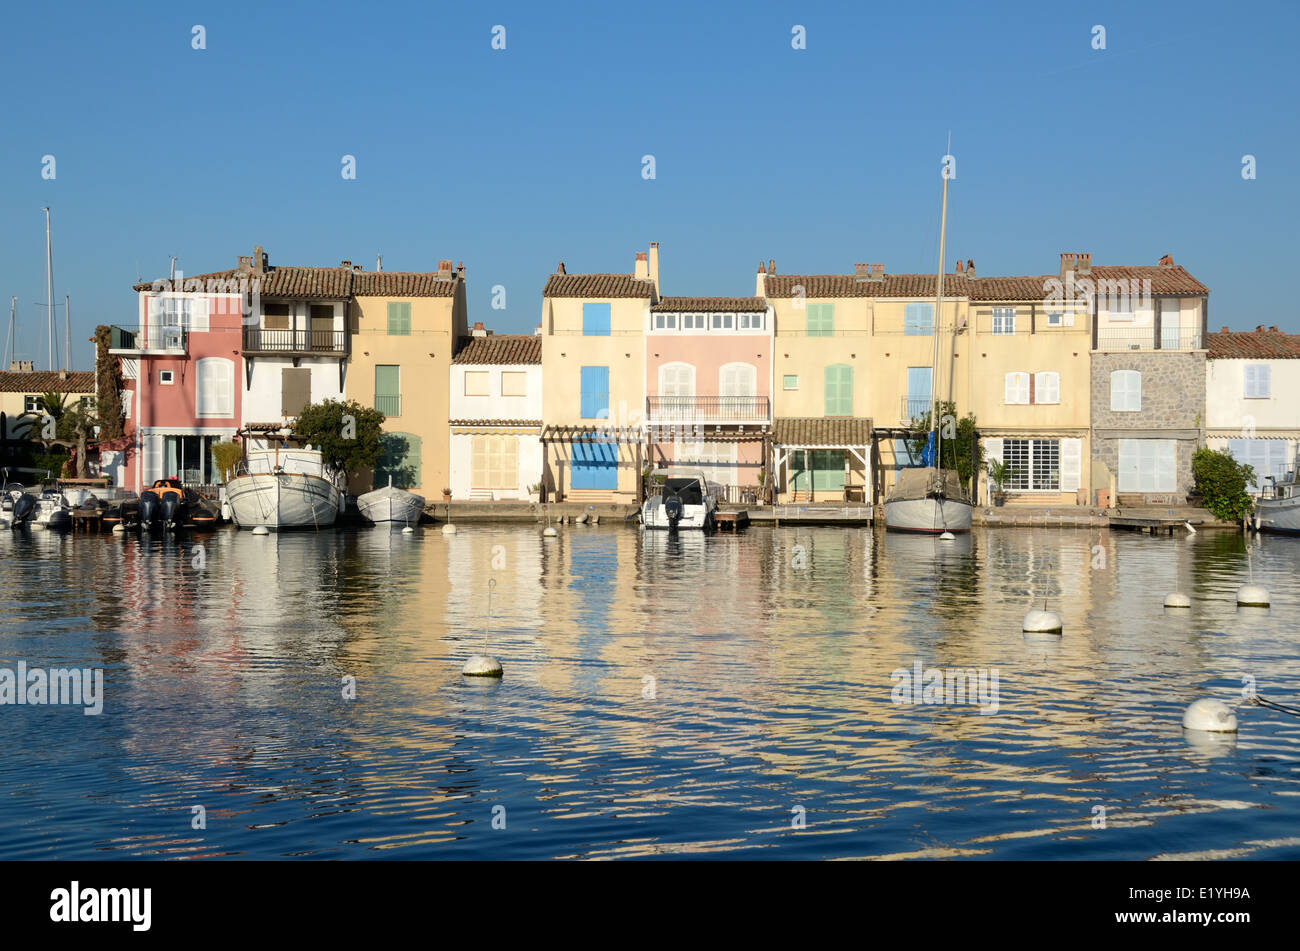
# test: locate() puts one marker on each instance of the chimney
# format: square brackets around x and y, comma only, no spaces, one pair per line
[20,366]
[357,268]
[63,374]
[1085,263]
[444,268]
[538,331]
[1068,264]
[960,269]
[760,282]
[346,265]
[653,261]
[244,263]
[478,330]
[559,268]
[379,262]
[642,269]
[1225,329]
[771,266]
[1273,329]
[460,270]
[1166,260]
[1259,328]
[868,272]
[260,260]
[970,268]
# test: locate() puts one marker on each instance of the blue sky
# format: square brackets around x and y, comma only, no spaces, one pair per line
[513,160]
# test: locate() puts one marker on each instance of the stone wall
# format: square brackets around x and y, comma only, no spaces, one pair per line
[1173,407]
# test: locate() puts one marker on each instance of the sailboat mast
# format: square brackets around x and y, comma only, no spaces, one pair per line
[938,318]
[67,332]
[49,284]
[10,353]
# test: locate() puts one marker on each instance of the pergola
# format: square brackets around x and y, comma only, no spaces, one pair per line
[848,434]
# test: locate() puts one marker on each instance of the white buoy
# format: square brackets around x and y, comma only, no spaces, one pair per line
[549,532]
[449,529]
[1177,600]
[947,537]
[1041,622]
[118,528]
[261,530]
[481,665]
[1252,596]
[1211,716]
[408,530]
[37,527]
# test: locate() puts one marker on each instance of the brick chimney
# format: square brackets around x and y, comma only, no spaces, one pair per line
[760,282]
[1259,328]
[1069,263]
[642,269]
[479,330]
[1166,260]
[1225,329]
[346,265]
[559,268]
[960,268]
[1272,329]
[20,366]
[444,268]
[1085,263]
[653,260]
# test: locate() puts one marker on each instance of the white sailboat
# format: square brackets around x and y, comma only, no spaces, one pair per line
[389,505]
[284,488]
[930,499]
[1278,507]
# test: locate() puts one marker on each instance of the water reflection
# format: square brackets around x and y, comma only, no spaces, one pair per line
[664,694]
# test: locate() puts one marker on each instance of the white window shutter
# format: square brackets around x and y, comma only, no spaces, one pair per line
[1071,464]
[1009,396]
[1135,390]
[992,450]
[153,450]
[1024,388]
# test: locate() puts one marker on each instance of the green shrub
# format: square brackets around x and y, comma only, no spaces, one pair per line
[1222,482]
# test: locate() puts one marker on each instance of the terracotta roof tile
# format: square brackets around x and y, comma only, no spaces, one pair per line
[598,285]
[1253,344]
[500,349]
[821,431]
[402,284]
[849,285]
[689,304]
[328,283]
[46,381]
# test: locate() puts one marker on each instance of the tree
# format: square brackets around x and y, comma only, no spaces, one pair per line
[1222,482]
[959,450]
[81,419]
[108,385]
[227,455]
[346,433]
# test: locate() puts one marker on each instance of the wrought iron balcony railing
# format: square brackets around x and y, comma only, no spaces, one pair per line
[914,407]
[261,340]
[1146,338]
[708,409]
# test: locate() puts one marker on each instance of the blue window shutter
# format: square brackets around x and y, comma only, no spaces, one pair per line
[595,393]
[918,320]
[595,320]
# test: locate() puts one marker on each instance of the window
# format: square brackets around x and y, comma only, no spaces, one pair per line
[595,320]
[839,390]
[477,383]
[595,393]
[1119,305]
[917,402]
[1257,381]
[188,313]
[188,458]
[692,321]
[399,318]
[494,462]
[1047,387]
[723,321]
[1016,389]
[737,387]
[1125,391]
[216,396]
[295,390]
[32,404]
[918,320]
[514,383]
[665,321]
[1147,465]
[275,316]
[1004,320]
[166,377]
[677,379]
[1034,465]
[388,389]
[1270,457]
[751,321]
[716,458]
[821,320]
[1054,318]
[1171,337]
[790,381]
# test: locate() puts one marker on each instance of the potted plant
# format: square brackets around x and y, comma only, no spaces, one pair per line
[999,471]
[446,495]
[535,492]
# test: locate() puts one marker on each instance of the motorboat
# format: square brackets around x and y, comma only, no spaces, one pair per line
[51,510]
[285,488]
[16,504]
[927,500]
[169,504]
[124,511]
[390,505]
[1278,507]
[687,500]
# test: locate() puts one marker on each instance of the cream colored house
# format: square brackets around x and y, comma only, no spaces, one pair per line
[593,332]
[21,388]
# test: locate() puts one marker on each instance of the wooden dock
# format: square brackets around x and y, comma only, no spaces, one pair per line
[731,521]
[809,513]
[87,520]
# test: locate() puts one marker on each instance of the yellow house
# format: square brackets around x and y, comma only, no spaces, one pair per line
[21,388]
[406,328]
[1030,389]
[593,381]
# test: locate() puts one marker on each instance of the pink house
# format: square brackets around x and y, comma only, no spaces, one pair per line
[709,388]
[180,363]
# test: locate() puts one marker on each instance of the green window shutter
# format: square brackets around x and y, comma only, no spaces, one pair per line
[839,390]
[388,390]
[821,320]
[399,318]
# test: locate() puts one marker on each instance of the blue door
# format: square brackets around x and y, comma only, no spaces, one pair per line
[595,393]
[595,465]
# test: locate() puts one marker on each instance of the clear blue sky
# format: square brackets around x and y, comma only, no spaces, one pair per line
[513,160]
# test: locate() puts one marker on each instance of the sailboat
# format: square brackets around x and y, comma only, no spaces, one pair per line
[391,505]
[930,499]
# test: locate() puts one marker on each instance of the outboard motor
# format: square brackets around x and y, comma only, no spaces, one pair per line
[170,508]
[150,508]
[24,508]
[673,509]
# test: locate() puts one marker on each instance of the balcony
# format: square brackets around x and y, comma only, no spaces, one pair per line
[914,407]
[708,409]
[1145,338]
[258,340]
[149,339]
[389,405]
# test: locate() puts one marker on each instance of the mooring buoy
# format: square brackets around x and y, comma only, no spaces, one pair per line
[481,665]
[1177,600]
[261,530]
[117,528]
[549,532]
[449,529]
[1252,596]
[947,537]
[1210,716]
[408,530]
[1041,622]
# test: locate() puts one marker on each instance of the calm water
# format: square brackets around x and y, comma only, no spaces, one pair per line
[770,653]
